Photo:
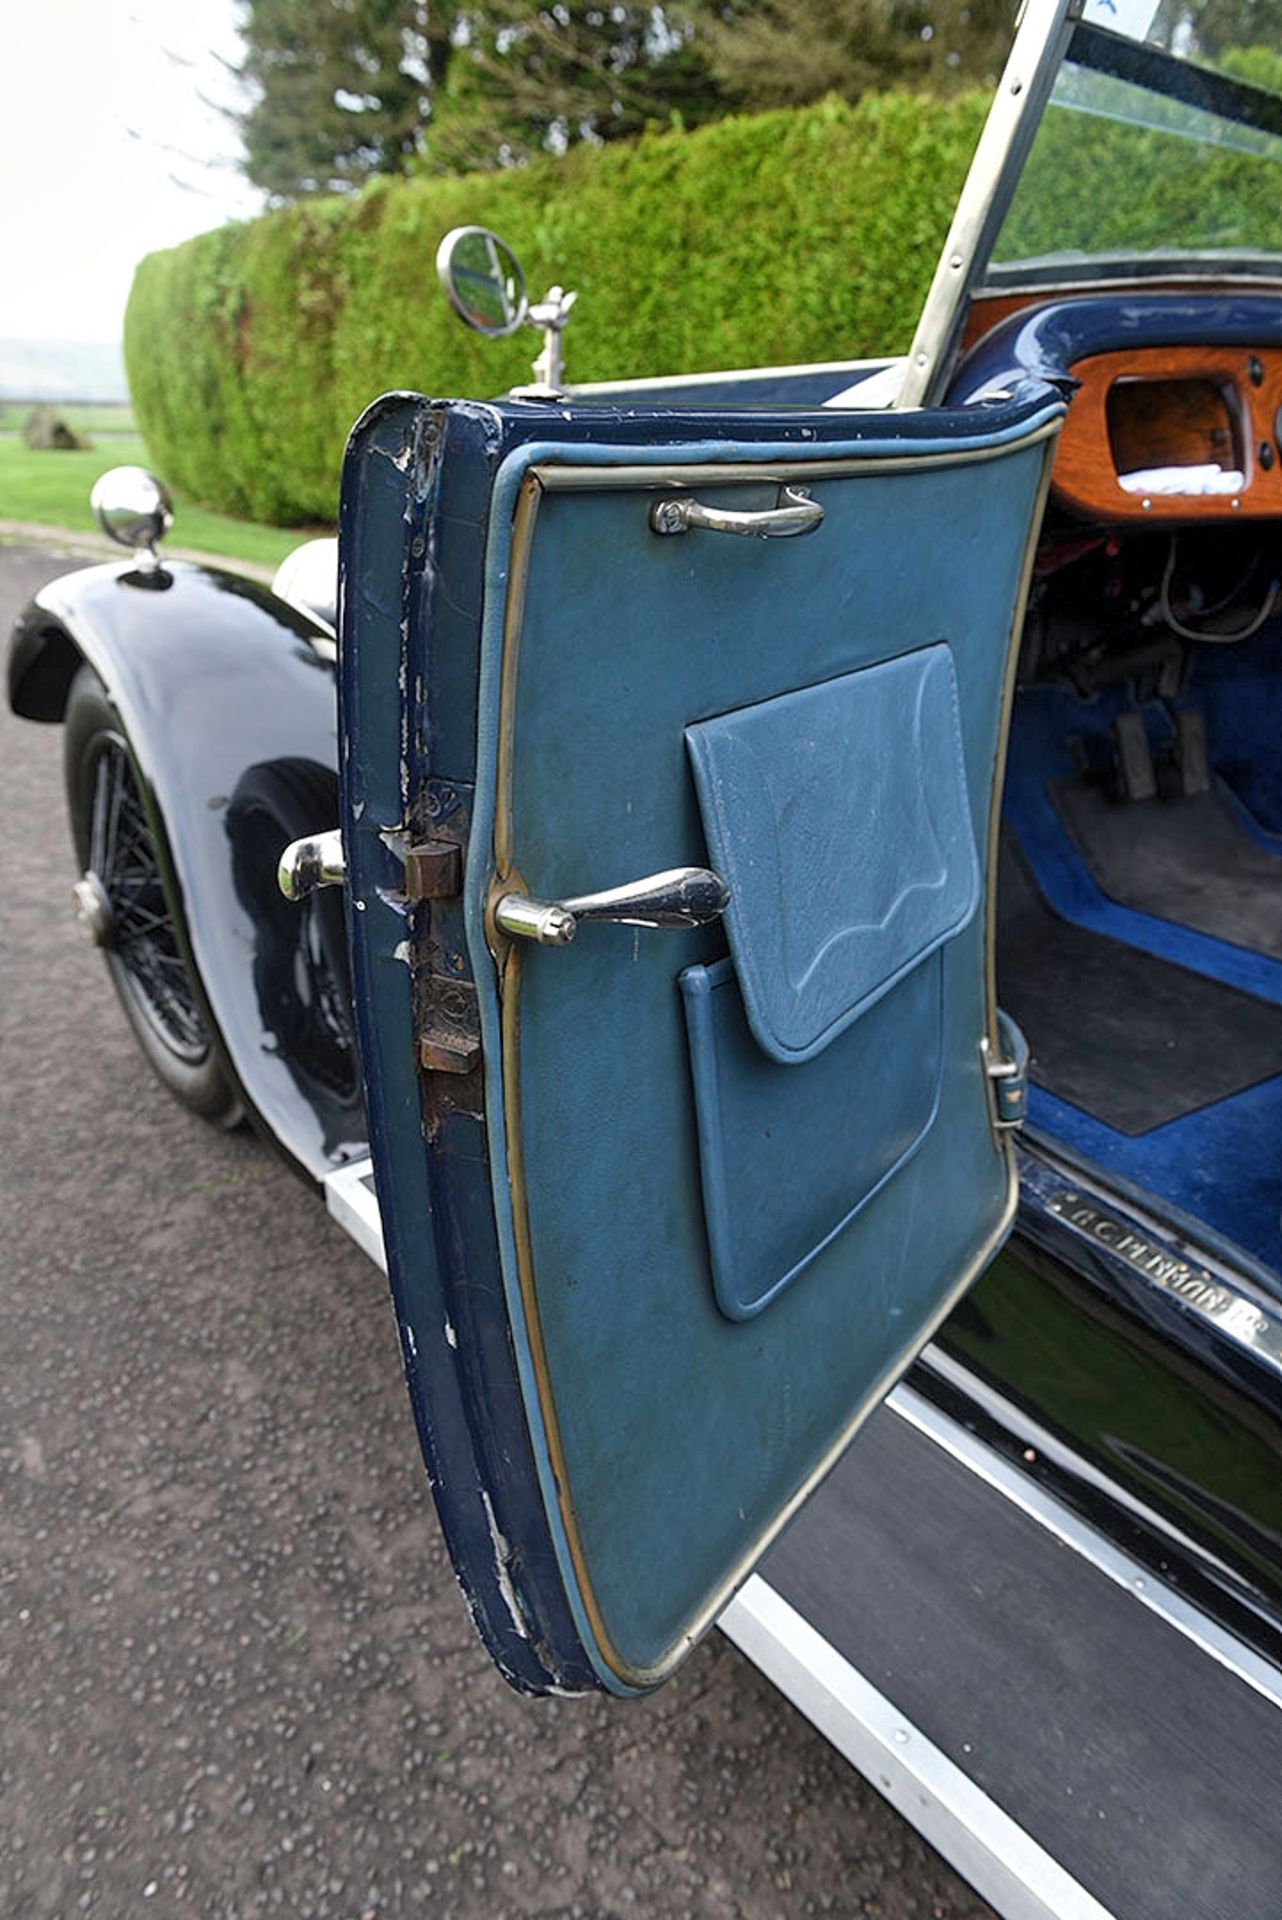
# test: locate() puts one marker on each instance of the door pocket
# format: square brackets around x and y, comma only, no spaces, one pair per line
[789,1155]
[839,816]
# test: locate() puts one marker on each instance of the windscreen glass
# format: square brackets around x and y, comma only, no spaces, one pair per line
[1161,148]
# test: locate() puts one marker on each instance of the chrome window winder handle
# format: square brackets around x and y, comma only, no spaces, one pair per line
[681,897]
[796,513]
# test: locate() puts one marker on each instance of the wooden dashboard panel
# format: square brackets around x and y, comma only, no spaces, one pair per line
[1172,407]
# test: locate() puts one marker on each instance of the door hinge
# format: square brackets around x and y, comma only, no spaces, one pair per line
[1007,1072]
[449,1025]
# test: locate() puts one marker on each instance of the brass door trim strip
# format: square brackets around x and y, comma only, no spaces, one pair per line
[523,519]
[508,961]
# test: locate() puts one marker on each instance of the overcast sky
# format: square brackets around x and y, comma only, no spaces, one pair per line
[107,152]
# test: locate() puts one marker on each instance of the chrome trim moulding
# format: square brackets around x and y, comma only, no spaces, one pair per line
[1030,1433]
[989,1849]
[1040,43]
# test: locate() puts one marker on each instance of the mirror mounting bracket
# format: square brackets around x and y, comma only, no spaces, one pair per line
[552,313]
[484,283]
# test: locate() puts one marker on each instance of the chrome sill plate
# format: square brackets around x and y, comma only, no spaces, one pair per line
[679,382]
[1202,1284]
[989,1849]
[999,1858]
[1209,1299]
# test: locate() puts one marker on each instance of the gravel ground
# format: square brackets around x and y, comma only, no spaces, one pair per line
[235,1672]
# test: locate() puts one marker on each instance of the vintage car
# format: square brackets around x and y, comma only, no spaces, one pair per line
[660,846]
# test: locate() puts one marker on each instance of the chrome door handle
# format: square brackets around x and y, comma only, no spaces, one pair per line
[681,897]
[317,861]
[796,513]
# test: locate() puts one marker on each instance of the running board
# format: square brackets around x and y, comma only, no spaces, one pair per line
[998,1858]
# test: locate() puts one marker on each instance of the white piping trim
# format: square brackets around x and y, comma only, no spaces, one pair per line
[989,1849]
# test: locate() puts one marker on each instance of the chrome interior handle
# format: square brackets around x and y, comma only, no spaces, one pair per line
[681,897]
[305,865]
[796,513]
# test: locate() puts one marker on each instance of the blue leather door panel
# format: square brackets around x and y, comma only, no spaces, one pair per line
[736,1174]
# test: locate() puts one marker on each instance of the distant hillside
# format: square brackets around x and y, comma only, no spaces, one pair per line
[61,370]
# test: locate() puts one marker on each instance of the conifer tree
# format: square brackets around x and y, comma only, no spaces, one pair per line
[775,53]
[528,79]
[340,90]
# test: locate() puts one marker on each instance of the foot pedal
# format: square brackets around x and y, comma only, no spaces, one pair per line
[1133,757]
[1190,751]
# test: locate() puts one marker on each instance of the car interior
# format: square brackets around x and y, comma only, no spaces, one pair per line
[1140,895]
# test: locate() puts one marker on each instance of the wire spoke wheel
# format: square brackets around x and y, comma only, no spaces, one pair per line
[143,943]
[126,908]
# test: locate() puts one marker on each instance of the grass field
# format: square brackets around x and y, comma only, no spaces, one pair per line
[90,418]
[52,489]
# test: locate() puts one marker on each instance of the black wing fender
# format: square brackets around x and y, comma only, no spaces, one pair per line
[226,696]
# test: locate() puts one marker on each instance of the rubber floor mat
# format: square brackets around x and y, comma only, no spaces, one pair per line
[1134,1040]
[1187,859]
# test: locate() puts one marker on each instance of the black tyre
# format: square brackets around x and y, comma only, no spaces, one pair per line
[302,981]
[124,900]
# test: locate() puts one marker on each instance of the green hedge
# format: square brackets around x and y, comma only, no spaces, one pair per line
[765,240]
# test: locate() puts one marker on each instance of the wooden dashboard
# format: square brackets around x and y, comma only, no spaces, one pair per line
[1174,434]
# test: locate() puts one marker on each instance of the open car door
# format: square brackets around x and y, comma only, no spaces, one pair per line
[668,1207]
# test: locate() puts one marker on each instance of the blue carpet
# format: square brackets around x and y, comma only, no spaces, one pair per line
[1222,1163]
[1239,689]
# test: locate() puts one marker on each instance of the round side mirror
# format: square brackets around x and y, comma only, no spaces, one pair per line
[132,508]
[483,280]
